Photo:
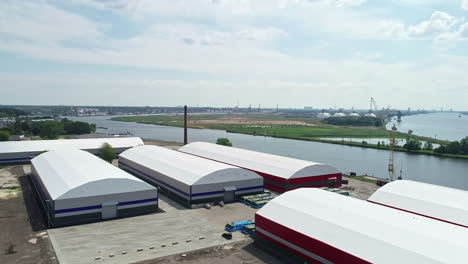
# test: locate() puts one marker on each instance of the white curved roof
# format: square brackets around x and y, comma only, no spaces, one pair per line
[354,114]
[70,173]
[323,115]
[371,232]
[183,167]
[439,202]
[339,115]
[279,166]
[88,143]
[370,115]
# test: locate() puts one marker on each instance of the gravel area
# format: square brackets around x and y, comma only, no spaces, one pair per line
[360,189]
[24,238]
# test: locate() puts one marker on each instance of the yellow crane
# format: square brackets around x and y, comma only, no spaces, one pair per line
[391,136]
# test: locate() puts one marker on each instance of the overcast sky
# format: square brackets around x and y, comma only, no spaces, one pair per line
[295,53]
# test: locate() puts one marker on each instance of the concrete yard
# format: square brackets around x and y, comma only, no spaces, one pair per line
[245,251]
[144,237]
[359,189]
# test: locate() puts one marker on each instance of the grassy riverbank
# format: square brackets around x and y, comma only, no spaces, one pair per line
[283,127]
[265,125]
[211,120]
[399,149]
[270,125]
[361,178]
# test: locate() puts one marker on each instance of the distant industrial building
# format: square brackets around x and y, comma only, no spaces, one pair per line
[189,179]
[23,151]
[339,115]
[370,115]
[76,187]
[436,202]
[325,227]
[279,173]
[323,115]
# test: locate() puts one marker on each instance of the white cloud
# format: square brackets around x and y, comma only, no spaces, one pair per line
[461,34]
[43,23]
[463,31]
[265,34]
[192,7]
[439,22]
[327,16]
[464,4]
[317,15]
[190,46]
[231,44]
[346,84]
[440,26]
[346,3]
[390,29]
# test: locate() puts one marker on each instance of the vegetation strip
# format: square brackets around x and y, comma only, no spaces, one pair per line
[361,178]
[315,131]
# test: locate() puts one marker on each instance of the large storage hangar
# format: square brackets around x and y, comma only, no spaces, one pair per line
[325,227]
[23,151]
[280,173]
[75,186]
[190,179]
[437,202]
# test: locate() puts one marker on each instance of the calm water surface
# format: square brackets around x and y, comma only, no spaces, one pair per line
[446,126]
[441,171]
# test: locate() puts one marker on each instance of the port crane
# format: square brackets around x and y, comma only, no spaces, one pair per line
[373,103]
[391,171]
[391,136]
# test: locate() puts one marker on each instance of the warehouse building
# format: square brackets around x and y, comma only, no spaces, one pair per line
[75,187]
[324,227]
[437,202]
[189,179]
[279,173]
[23,151]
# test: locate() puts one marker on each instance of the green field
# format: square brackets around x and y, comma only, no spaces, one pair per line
[178,120]
[307,132]
[304,132]
[311,130]
[275,125]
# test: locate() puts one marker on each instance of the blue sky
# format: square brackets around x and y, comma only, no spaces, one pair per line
[295,53]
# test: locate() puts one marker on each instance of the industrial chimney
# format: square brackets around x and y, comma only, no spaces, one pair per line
[185,126]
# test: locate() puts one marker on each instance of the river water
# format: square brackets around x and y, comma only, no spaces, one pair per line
[435,170]
[446,126]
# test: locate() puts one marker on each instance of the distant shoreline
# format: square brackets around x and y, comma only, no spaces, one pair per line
[239,130]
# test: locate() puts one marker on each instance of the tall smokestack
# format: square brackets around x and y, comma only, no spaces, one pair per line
[185,126]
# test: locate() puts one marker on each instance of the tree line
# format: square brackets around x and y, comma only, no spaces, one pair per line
[49,129]
[354,121]
[11,112]
[414,144]
[455,147]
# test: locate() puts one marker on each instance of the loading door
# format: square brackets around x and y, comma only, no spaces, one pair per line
[229,194]
[109,210]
